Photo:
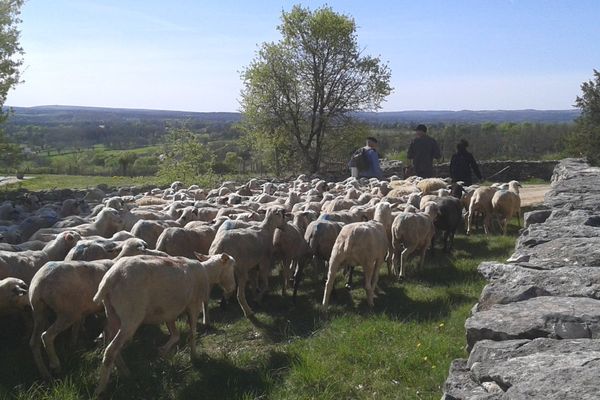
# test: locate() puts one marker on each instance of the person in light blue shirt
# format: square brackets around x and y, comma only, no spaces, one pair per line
[373,169]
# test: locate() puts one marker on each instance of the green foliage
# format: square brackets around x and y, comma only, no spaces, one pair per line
[300,91]
[585,140]
[10,61]
[10,50]
[185,158]
[46,182]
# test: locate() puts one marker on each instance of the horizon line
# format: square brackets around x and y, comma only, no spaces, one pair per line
[239,112]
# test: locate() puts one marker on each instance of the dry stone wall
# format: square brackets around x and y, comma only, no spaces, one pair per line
[535,332]
[509,170]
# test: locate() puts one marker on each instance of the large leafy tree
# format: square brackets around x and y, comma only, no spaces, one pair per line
[585,139]
[301,91]
[10,62]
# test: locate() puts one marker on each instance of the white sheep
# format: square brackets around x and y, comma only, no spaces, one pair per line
[364,244]
[67,288]
[481,202]
[431,185]
[151,290]
[412,231]
[24,265]
[251,247]
[507,203]
[13,296]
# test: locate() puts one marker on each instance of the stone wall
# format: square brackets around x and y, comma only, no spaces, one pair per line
[512,170]
[535,332]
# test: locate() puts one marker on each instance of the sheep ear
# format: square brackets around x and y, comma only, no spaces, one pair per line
[69,237]
[225,258]
[201,257]
[195,211]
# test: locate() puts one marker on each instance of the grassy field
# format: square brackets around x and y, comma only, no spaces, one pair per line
[46,182]
[399,350]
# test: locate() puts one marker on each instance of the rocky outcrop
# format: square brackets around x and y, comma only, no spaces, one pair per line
[535,332]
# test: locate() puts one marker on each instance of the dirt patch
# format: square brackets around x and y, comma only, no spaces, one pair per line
[533,195]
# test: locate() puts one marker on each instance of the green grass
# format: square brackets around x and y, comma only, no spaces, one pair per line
[399,350]
[46,182]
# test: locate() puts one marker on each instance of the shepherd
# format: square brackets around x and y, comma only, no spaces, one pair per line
[365,161]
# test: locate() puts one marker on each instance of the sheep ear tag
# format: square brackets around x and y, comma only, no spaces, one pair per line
[201,257]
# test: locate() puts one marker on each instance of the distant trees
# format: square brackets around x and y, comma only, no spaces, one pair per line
[184,158]
[10,61]
[299,93]
[585,139]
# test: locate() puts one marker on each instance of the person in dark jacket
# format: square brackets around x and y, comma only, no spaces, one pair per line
[422,150]
[462,163]
[372,169]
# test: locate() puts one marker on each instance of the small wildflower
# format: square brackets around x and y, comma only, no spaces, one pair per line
[418,345]
[433,367]
[425,358]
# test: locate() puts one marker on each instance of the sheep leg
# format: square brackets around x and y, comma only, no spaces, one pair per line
[192,319]
[75,329]
[39,323]
[446,238]
[263,274]
[369,270]
[350,275]
[297,279]
[487,223]
[403,258]
[376,279]
[205,320]
[110,356]
[62,323]
[242,278]
[173,339]
[422,261]
[333,267]
[469,222]
[286,268]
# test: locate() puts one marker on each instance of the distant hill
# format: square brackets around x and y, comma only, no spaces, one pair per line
[473,116]
[58,114]
[50,114]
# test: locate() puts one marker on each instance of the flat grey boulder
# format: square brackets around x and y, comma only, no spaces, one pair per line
[527,369]
[459,385]
[547,316]
[561,223]
[535,217]
[557,253]
[511,283]
[574,184]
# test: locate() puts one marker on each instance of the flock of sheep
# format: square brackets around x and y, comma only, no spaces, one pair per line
[149,258]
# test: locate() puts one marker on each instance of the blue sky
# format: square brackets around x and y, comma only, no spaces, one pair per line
[186,55]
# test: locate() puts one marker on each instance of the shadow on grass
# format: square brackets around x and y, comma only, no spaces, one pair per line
[239,369]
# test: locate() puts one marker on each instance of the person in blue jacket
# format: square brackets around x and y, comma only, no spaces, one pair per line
[370,165]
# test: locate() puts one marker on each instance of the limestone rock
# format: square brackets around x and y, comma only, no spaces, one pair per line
[511,283]
[547,316]
[557,253]
[523,369]
[536,217]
